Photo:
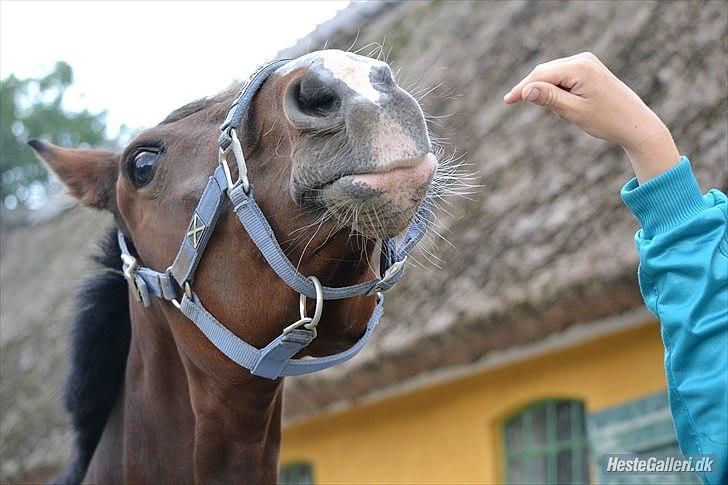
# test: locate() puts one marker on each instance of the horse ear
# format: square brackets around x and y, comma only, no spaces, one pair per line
[90,175]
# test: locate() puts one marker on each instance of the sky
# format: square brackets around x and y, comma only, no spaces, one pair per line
[141,60]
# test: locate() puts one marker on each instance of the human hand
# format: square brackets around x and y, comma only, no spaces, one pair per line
[582,90]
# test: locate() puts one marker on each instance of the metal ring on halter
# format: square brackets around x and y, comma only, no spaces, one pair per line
[309,323]
[188,290]
[239,159]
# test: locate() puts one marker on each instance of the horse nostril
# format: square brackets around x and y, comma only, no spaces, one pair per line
[315,97]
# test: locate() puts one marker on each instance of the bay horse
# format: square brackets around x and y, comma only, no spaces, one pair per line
[341,160]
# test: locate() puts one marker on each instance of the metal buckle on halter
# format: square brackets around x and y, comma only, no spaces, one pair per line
[309,323]
[391,272]
[239,159]
[138,287]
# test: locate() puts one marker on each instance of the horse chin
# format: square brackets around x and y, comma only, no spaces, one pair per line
[380,204]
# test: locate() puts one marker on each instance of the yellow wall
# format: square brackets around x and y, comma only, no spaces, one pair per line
[451,433]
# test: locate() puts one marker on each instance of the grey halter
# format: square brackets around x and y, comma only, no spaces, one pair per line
[275,359]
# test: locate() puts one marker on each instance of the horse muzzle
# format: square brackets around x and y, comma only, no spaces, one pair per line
[363,151]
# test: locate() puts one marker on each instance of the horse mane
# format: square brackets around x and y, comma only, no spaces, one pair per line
[100,336]
[200,104]
[186,110]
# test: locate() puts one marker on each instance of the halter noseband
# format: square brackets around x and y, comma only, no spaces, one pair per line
[275,359]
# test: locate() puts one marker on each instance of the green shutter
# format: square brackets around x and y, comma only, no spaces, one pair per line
[640,426]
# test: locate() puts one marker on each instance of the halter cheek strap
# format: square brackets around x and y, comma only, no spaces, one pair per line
[275,359]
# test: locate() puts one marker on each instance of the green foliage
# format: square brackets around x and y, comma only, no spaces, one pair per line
[33,108]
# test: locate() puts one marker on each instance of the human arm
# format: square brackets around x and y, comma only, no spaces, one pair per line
[682,245]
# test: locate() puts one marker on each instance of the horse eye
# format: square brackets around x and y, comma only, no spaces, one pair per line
[143,167]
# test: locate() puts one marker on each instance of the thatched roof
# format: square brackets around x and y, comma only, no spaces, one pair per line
[546,243]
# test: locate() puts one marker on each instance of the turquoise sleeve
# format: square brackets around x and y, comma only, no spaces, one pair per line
[683,275]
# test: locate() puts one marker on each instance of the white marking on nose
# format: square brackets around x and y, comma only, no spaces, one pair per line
[353,70]
[354,73]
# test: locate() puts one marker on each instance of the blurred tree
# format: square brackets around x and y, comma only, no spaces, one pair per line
[33,108]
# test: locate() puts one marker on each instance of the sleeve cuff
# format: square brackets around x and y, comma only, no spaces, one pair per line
[665,201]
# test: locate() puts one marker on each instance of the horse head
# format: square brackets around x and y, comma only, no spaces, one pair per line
[340,158]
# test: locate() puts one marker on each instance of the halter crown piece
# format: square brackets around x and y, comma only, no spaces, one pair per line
[275,359]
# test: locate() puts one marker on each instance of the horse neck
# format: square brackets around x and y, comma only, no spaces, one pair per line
[224,427]
[197,413]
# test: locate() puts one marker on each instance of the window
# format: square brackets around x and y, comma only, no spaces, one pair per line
[546,443]
[299,473]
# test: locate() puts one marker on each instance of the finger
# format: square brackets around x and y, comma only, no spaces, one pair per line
[564,73]
[511,96]
[552,97]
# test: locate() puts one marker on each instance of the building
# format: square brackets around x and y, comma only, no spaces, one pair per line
[544,412]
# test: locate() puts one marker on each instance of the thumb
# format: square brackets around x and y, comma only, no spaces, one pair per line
[552,97]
